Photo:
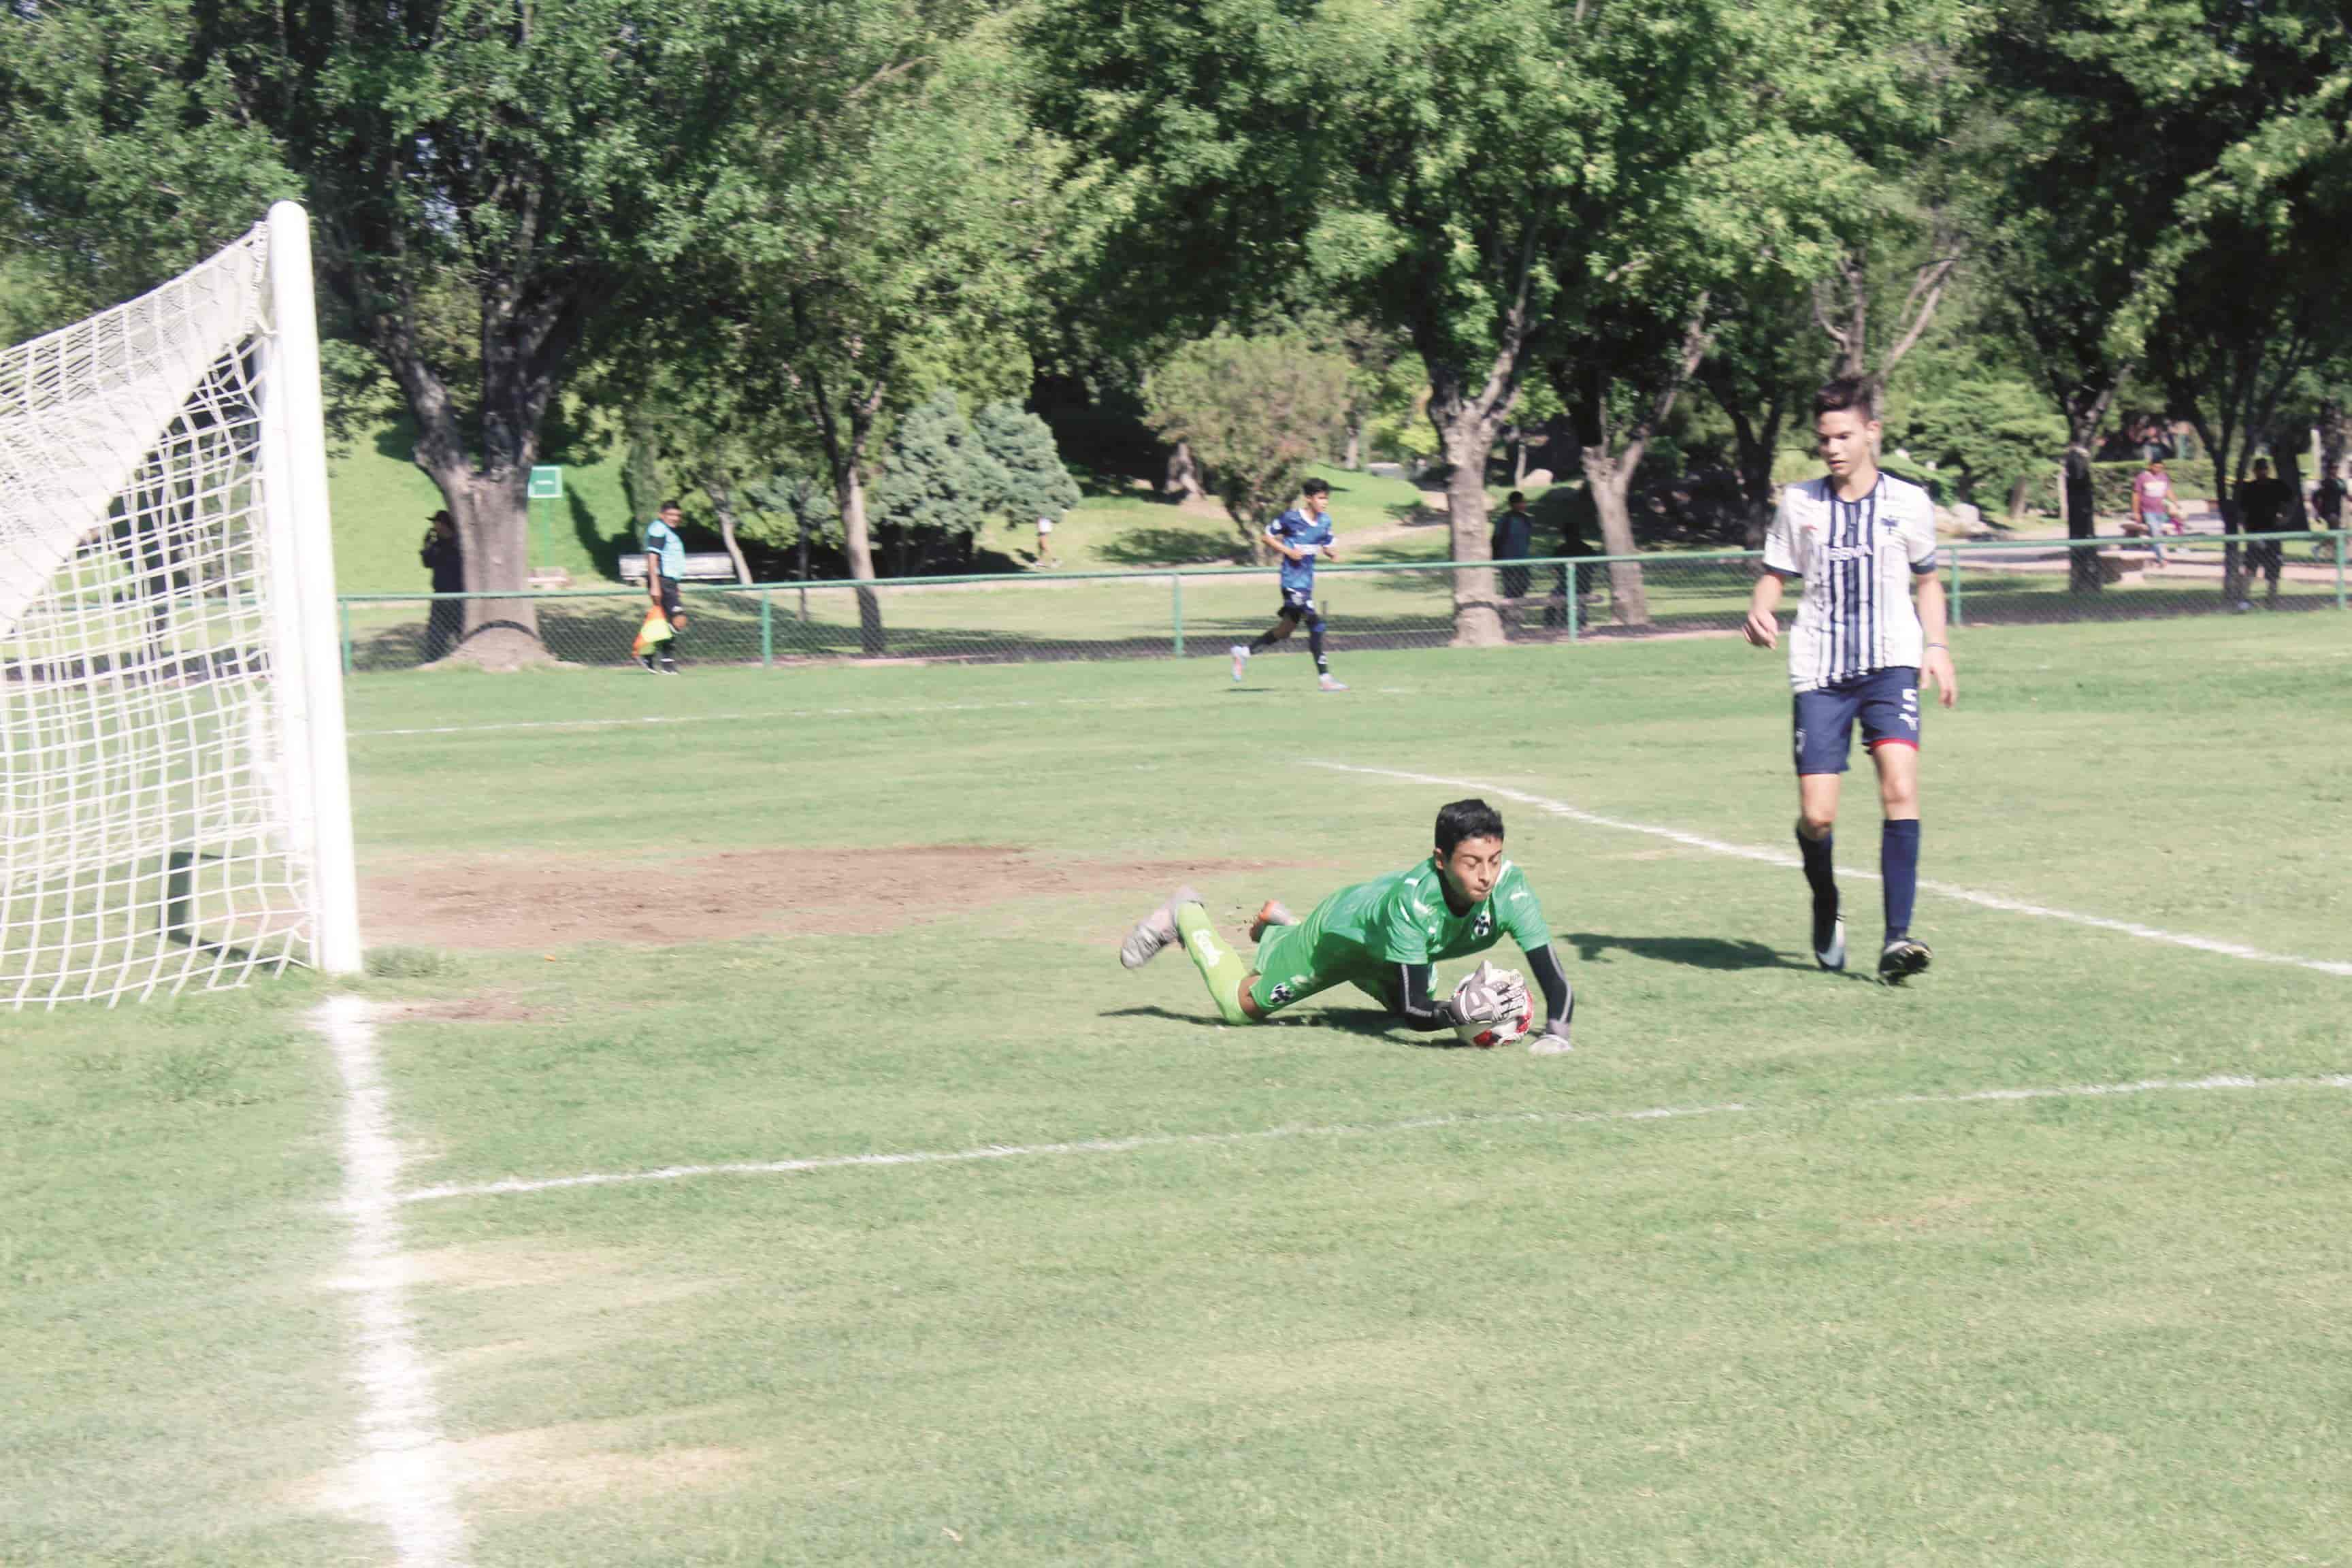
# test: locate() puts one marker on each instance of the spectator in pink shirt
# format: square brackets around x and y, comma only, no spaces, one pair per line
[2153,506]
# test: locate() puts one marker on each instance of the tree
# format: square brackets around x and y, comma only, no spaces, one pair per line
[1760,369]
[1256,411]
[1476,174]
[549,170]
[1035,483]
[2107,113]
[897,257]
[938,488]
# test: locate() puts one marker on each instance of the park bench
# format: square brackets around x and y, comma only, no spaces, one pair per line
[713,566]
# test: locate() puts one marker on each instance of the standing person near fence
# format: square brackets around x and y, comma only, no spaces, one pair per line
[2328,501]
[444,556]
[1861,541]
[1298,533]
[664,567]
[2154,509]
[1514,540]
[2264,503]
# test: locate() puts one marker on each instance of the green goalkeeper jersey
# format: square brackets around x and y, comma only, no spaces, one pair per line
[1403,919]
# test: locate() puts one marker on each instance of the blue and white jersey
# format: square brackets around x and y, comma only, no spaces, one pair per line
[1296,529]
[1857,559]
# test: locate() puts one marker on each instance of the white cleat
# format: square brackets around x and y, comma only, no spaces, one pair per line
[1832,956]
[1154,931]
[1328,683]
[1241,661]
[1550,1046]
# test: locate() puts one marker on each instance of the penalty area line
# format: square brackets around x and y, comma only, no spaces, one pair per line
[1467,1121]
[409,1487]
[1777,858]
[1035,1150]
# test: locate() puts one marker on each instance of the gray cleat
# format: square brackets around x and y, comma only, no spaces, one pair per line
[1154,931]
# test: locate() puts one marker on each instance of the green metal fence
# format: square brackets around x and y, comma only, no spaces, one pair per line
[1201,612]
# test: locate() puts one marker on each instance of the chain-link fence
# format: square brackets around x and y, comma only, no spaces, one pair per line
[1159,615]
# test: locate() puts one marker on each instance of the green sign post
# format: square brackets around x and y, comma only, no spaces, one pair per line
[546,484]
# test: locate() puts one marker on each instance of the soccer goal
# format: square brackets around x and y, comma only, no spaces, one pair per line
[174,803]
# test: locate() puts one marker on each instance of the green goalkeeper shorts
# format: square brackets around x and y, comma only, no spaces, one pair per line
[1287,973]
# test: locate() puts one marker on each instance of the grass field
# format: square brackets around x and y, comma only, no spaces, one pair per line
[1175,1293]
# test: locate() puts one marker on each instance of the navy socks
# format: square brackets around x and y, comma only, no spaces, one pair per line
[1898,863]
[1816,852]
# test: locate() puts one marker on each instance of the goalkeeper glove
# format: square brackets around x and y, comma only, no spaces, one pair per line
[1489,995]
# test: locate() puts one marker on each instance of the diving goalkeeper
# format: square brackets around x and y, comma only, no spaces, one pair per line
[1384,937]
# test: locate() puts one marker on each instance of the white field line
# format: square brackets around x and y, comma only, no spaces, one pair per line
[1271,1134]
[407,1481]
[1033,1151]
[1782,858]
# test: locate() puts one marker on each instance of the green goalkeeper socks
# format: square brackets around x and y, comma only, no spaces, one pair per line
[1220,965]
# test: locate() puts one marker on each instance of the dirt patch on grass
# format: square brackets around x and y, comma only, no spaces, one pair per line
[515,902]
[544,1468]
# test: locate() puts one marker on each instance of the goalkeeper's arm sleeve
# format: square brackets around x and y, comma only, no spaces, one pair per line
[1413,1005]
[1560,997]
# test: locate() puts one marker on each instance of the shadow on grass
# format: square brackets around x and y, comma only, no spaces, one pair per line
[1170,547]
[1367,1022]
[1693,952]
[606,552]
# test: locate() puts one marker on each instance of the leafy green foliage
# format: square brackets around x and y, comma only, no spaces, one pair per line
[1034,484]
[1995,430]
[1258,412]
[938,487]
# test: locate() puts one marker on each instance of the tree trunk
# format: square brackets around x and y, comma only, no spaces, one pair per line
[1183,479]
[493,516]
[2334,429]
[1755,448]
[491,502]
[1478,613]
[1609,480]
[845,458]
[849,495]
[1353,461]
[2080,505]
[1609,470]
[2085,408]
[722,502]
[2018,493]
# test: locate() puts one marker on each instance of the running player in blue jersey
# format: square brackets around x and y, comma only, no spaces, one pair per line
[1299,534]
[1860,541]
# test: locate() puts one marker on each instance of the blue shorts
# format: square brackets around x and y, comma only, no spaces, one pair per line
[1299,602]
[1886,700]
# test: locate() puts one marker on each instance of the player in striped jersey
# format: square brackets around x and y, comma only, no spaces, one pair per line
[1860,541]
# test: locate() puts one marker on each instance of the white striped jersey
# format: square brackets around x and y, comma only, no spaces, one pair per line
[1857,559]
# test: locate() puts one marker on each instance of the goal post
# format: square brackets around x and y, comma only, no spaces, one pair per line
[175,798]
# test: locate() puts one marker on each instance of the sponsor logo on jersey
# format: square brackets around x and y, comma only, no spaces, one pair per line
[1282,994]
[1483,927]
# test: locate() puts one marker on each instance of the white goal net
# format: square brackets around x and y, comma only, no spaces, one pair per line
[174,808]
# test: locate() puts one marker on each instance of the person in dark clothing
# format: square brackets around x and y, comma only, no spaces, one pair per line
[2328,502]
[1514,540]
[2264,503]
[445,557]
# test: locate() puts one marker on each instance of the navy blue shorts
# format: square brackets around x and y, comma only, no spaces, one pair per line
[1886,700]
[1298,603]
